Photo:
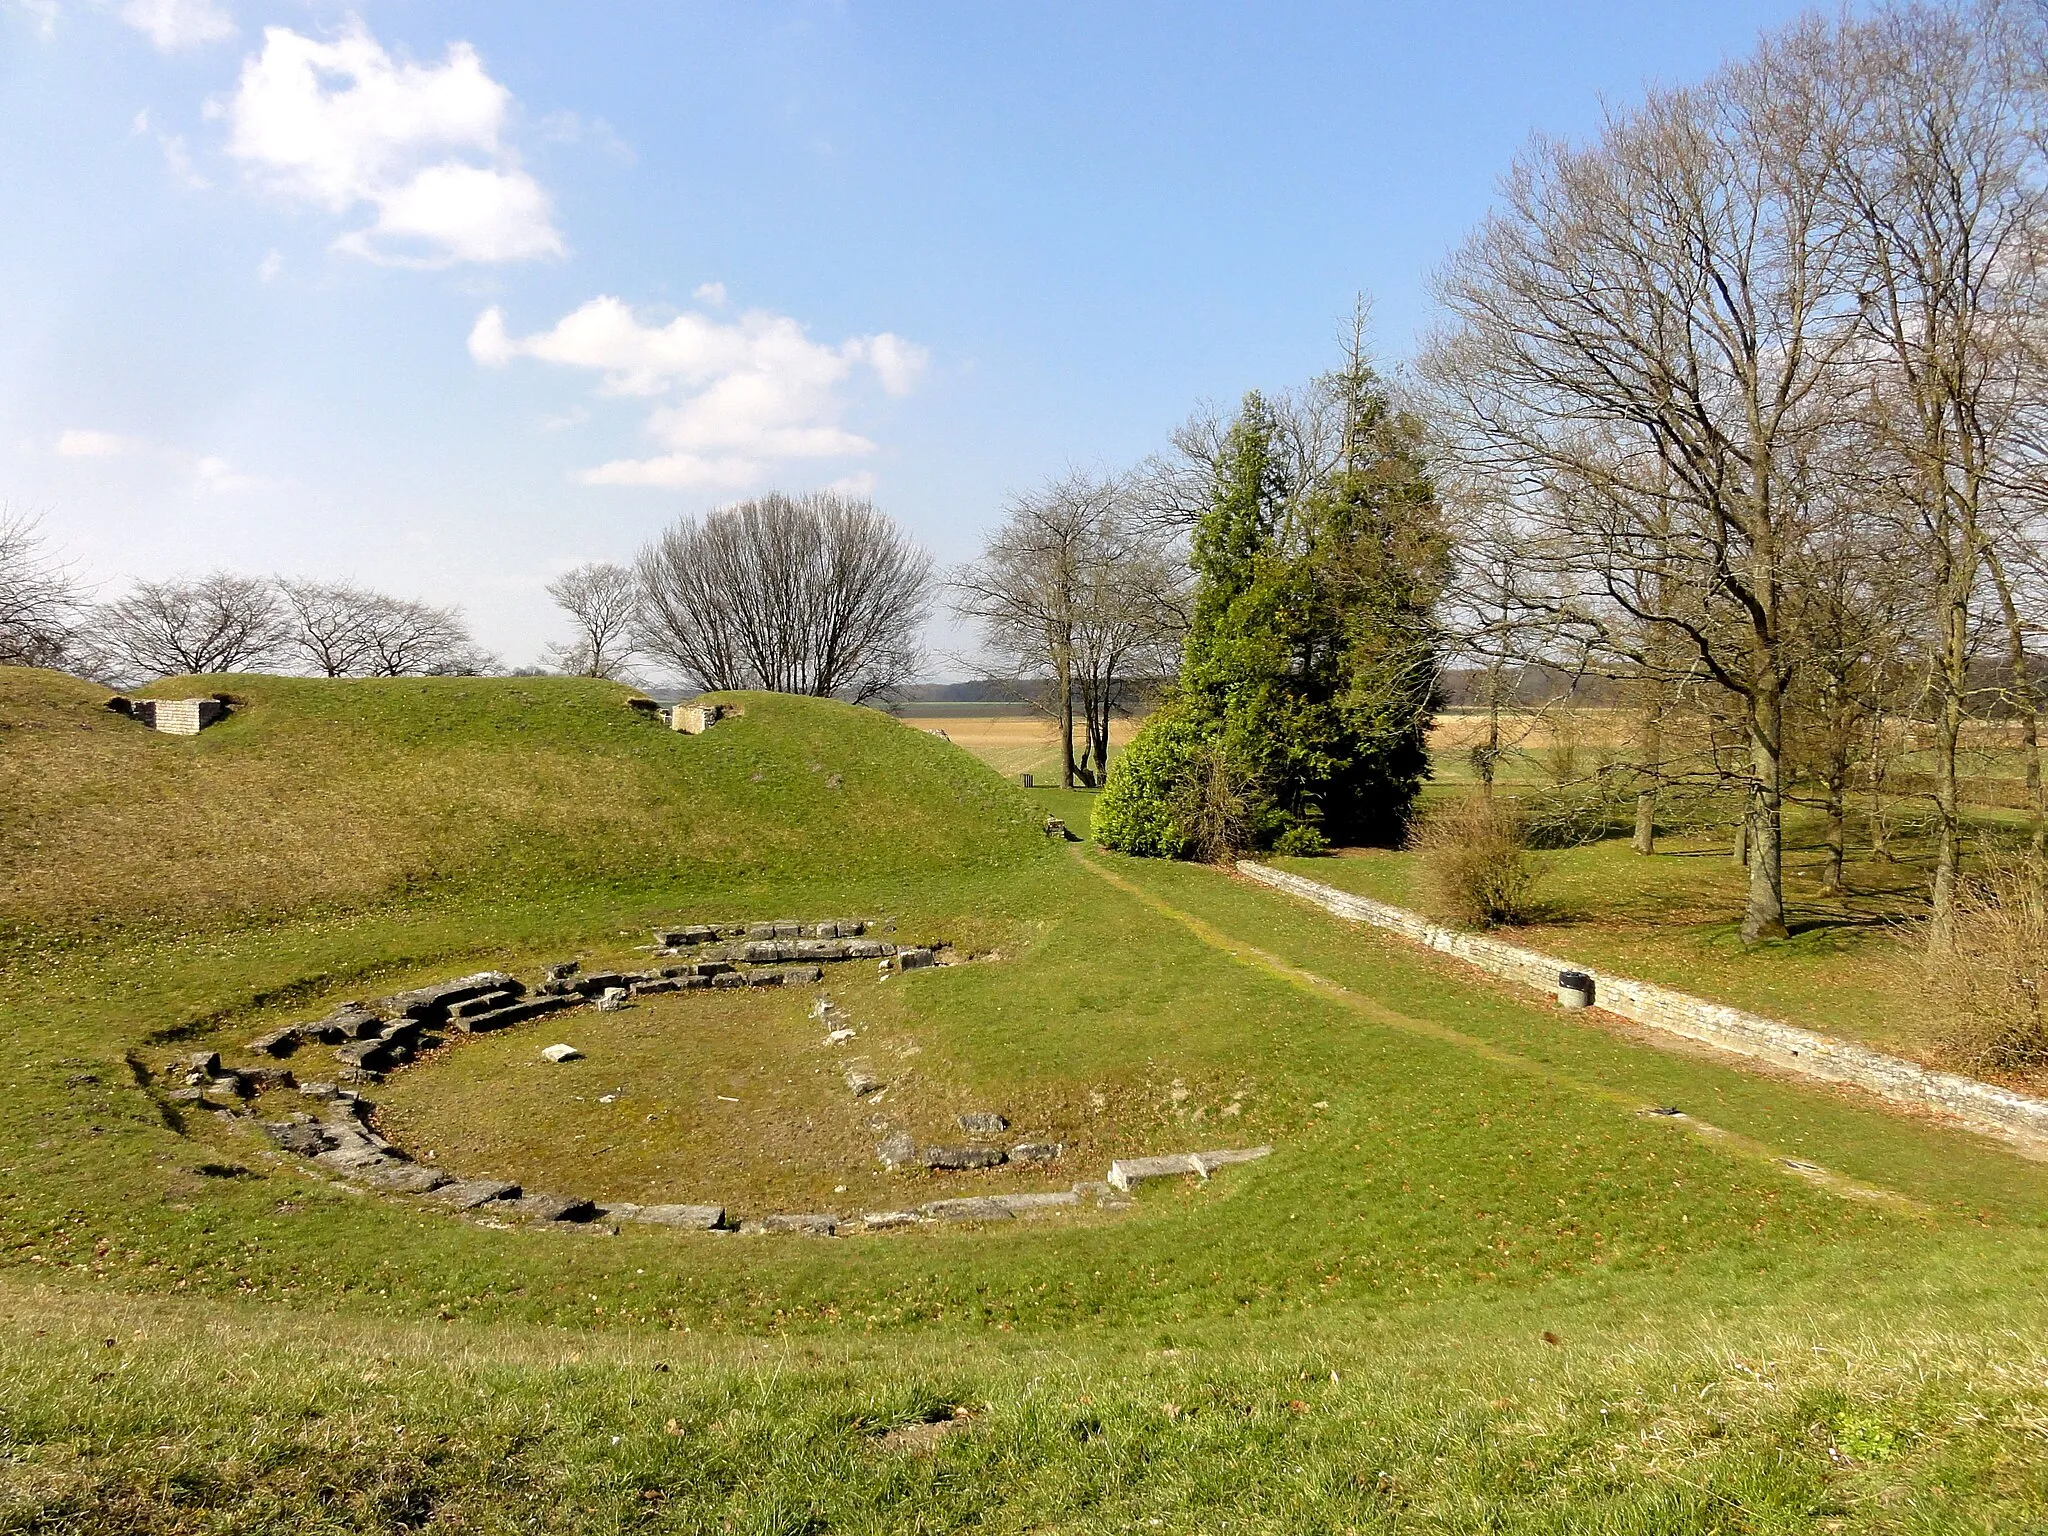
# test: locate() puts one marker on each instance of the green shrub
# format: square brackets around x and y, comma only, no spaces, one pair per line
[1302,842]
[1139,810]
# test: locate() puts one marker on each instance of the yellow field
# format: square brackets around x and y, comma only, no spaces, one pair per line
[1014,744]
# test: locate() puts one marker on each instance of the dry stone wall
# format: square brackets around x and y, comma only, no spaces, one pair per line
[1978,1105]
[369,1039]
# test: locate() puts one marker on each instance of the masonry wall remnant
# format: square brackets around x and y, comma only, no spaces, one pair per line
[174,717]
[1980,1106]
[694,719]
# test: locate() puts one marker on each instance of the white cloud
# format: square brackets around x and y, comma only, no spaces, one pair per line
[711,293]
[81,443]
[176,156]
[175,24]
[343,125]
[736,396]
[208,472]
[272,264]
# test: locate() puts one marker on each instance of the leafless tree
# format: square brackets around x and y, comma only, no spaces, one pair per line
[1942,188]
[818,594]
[603,601]
[39,601]
[1073,590]
[220,622]
[1638,342]
[340,629]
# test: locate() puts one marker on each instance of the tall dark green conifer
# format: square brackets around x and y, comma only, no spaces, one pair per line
[1306,682]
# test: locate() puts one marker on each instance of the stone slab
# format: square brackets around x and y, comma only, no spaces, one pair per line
[802,1225]
[701,1217]
[964,1157]
[468,1194]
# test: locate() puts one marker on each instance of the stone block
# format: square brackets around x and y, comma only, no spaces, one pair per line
[551,1208]
[964,1157]
[1021,1205]
[659,984]
[913,959]
[517,1013]
[407,1179]
[366,1055]
[1126,1172]
[788,928]
[195,1098]
[302,1137]
[983,1122]
[468,1194]
[860,1082]
[178,717]
[205,1063]
[869,949]
[701,1217]
[730,979]
[765,952]
[277,1042]
[560,1053]
[694,719]
[801,975]
[973,1208]
[1036,1152]
[804,1225]
[269,1079]
[897,1150]
[488,1002]
[612,999]
[887,1221]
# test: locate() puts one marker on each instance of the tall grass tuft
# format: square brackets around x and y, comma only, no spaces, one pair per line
[1992,975]
[1475,863]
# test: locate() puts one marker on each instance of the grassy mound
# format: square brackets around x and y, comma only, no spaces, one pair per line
[1474,1287]
[350,794]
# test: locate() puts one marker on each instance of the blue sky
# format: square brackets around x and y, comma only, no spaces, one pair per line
[450,297]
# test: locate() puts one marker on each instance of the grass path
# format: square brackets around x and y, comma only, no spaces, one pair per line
[1250,954]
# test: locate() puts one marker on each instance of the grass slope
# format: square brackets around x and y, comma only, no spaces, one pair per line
[1356,1334]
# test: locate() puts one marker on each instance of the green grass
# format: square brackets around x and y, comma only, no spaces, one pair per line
[199,1336]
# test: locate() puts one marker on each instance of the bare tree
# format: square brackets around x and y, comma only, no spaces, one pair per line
[1640,339]
[603,601]
[1074,591]
[340,629]
[1942,189]
[39,600]
[817,594]
[220,622]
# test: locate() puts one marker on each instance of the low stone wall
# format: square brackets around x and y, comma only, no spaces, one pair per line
[1964,1100]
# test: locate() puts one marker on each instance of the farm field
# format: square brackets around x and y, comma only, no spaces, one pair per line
[1474,1286]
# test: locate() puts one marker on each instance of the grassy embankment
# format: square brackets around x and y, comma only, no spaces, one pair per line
[1473,1288]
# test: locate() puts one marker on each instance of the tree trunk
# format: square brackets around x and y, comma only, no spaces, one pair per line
[1064,681]
[1831,879]
[1764,916]
[1948,856]
[1741,848]
[1651,753]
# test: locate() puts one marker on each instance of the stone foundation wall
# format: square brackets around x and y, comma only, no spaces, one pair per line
[1964,1100]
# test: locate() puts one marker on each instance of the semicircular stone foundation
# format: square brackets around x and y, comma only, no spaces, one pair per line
[369,1039]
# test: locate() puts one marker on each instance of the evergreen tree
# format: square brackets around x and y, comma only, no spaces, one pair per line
[1307,680]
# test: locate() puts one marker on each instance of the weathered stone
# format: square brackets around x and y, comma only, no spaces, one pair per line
[913,959]
[269,1079]
[1021,1205]
[705,1217]
[612,999]
[1107,1196]
[765,952]
[660,984]
[351,1021]
[405,1032]
[318,1090]
[973,1208]
[468,1194]
[767,977]
[298,1136]
[366,1055]
[730,979]
[806,1226]
[560,1053]
[562,970]
[818,949]
[405,1178]
[883,1221]
[517,1013]
[896,1150]
[277,1042]
[487,1002]
[1126,1172]
[205,1063]
[598,982]
[869,949]
[433,1002]
[551,1208]
[963,1157]
[195,1098]
[860,1082]
[235,1083]
[1036,1151]
[983,1122]
[788,928]
[760,930]
[801,975]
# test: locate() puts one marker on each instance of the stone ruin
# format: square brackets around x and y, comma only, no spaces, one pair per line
[370,1039]
[174,717]
[694,719]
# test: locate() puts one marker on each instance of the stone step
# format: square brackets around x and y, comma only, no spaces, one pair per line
[1127,1171]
